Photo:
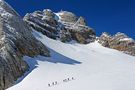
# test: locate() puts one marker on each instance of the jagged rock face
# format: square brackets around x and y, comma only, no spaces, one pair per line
[105,39]
[68,17]
[63,25]
[82,21]
[119,41]
[16,41]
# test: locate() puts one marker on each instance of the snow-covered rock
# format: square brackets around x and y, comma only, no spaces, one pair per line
[119,41]
[63,25]
[16,41]
[67,16]
[78,67]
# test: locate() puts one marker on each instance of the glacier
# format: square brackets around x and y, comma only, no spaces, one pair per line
[74,66]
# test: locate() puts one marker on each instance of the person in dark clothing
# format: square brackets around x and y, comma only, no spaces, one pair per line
[73,78]
[49,85]
[68,79]
[56,82]
[65,80]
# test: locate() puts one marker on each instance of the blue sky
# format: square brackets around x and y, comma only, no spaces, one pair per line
[103,15]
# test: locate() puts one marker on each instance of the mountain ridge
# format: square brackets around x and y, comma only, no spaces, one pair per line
[66,26]
[17,39]
[63,25]
[119,41]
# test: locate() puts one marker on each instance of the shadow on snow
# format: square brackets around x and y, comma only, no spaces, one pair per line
[55,58]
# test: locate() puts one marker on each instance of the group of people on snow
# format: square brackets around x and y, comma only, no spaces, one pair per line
[56,83]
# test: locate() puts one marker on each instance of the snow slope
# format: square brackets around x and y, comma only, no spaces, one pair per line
[88,67]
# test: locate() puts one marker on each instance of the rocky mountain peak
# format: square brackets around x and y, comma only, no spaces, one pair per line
[81,21]
[67,16]
[120,35]
[105,34]
[63,25]
[119,41]
[16,39]
[49,13]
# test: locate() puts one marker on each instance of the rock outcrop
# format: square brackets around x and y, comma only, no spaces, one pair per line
[63,25]
[119,41]
[16,41]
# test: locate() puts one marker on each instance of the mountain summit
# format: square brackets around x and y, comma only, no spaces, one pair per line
[64,44]
[63,25]
[66,26]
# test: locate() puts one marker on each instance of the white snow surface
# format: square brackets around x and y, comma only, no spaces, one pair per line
[88,67]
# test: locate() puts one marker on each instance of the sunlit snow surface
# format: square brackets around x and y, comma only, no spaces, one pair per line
[88,67]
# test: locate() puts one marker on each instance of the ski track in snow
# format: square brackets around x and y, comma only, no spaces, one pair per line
[92,67]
